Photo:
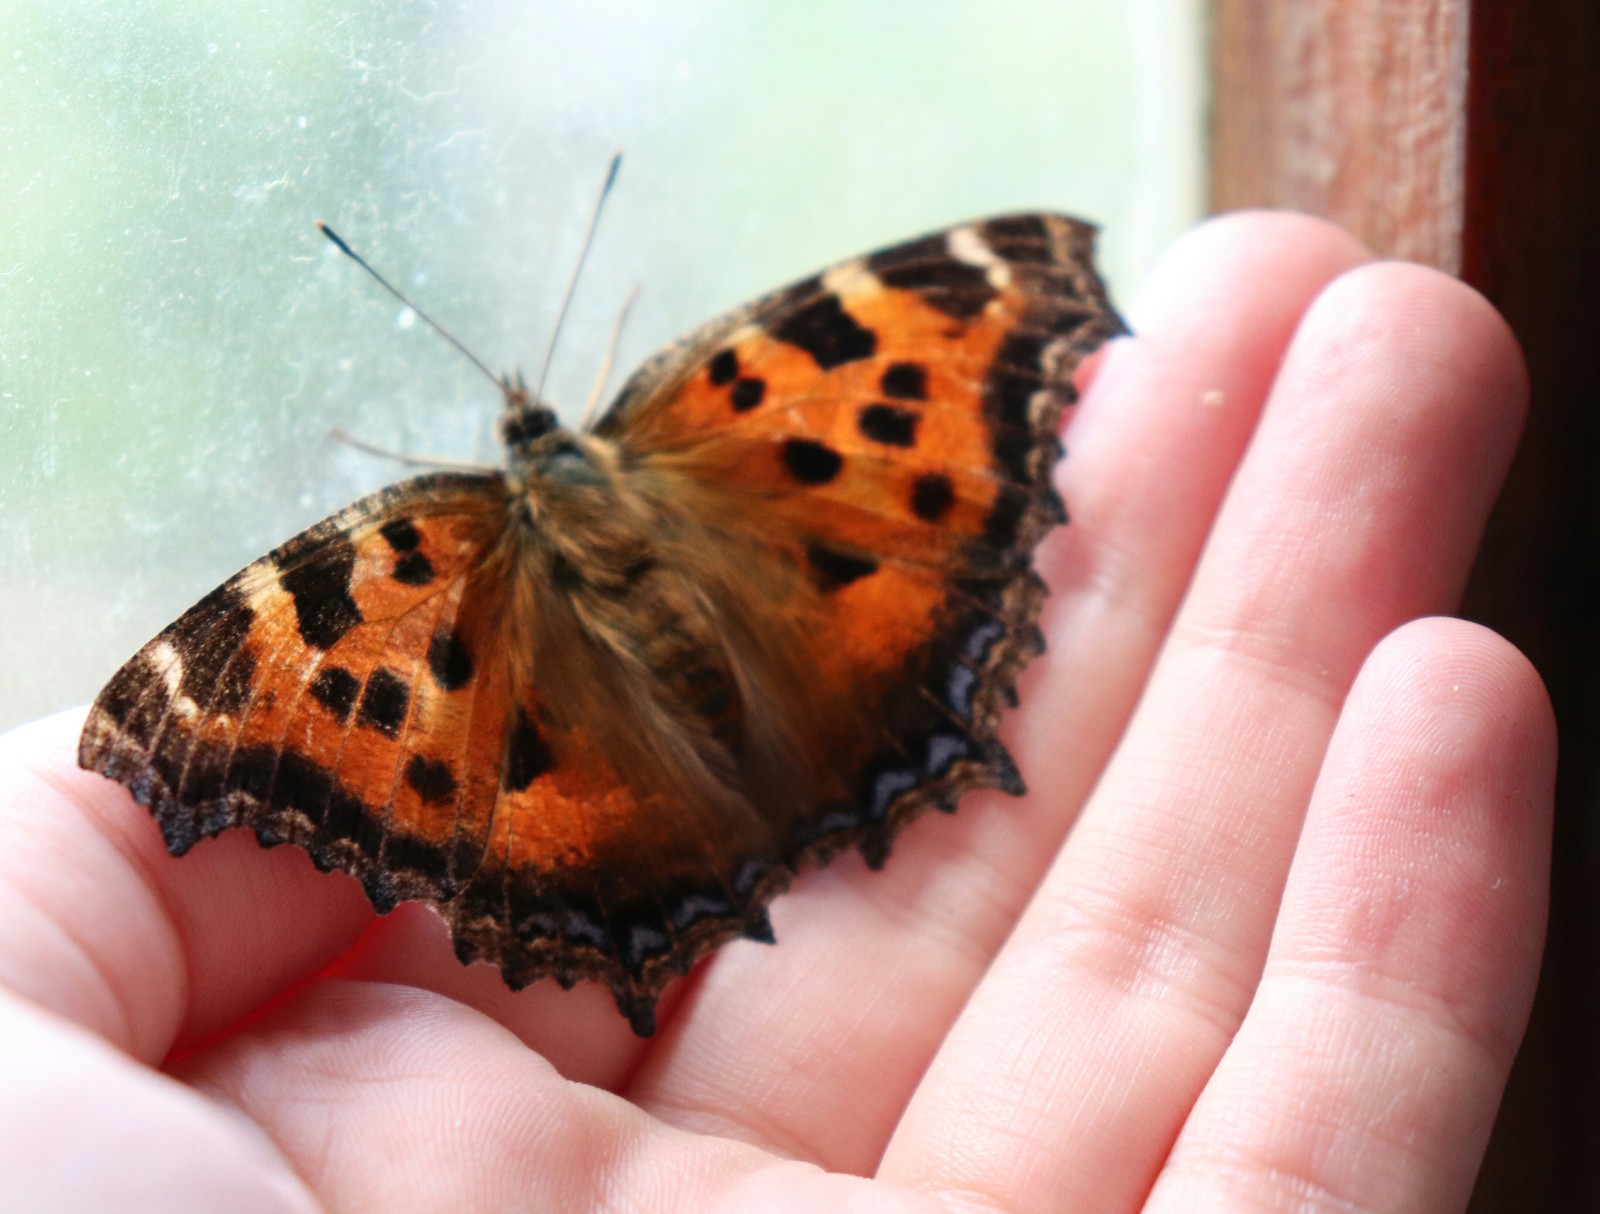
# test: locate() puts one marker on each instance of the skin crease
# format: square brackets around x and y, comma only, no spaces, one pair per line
[1282,961]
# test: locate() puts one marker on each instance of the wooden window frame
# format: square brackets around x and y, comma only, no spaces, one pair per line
[1467,136]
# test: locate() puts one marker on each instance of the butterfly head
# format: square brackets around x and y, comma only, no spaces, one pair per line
[544,453]
[526,419]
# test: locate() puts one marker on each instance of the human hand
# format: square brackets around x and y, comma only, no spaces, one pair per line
[1283,959]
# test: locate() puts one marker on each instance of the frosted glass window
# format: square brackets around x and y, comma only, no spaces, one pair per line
[177,341]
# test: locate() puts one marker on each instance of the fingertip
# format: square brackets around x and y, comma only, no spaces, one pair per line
[1281,251]
[1440,667]
[1437,326]
[1446,755]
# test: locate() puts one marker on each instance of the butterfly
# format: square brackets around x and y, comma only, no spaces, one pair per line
[598,707]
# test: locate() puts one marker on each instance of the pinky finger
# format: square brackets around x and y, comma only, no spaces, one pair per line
[1367,1072]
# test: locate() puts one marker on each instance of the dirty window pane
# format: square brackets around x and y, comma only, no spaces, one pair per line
[177,341]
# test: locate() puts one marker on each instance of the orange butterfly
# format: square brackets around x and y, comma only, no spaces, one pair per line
[596,709]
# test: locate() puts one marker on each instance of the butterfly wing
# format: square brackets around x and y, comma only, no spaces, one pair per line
[332,695]
[891,424]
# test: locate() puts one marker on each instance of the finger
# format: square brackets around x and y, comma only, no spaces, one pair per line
[813,1048]
[578,1031]
[101,926]
[1357,507]
[84,1128]
[392,1098]
[1368,1070]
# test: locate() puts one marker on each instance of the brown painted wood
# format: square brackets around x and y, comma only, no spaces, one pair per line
[1353,111]
[1466,134]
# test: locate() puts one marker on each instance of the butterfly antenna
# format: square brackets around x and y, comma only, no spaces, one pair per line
[400,295]
[609,360]
[572,284]
[340,435]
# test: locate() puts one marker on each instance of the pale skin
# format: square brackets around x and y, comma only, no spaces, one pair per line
[1282,962]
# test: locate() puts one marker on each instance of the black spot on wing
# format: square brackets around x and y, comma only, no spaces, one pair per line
[336,689]
[431,778]
[413,569]
[888,424]
[527,757]
[932,496]
[823,329]
[723,367]
[448,661]
[384,702]
[401,534]
[905,381]
[704,688]
[811,462]
[834,569]
[320,588]
[747,393]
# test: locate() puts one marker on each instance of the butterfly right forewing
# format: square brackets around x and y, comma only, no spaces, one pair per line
[890,427]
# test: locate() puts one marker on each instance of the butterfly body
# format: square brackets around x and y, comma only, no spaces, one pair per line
[599,707]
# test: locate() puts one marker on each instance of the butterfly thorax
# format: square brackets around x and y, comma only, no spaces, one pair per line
[598,585]
[570,501]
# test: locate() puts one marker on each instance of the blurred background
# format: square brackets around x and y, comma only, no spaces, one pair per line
[177,340]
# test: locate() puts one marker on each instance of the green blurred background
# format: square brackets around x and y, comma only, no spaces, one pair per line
[177,341]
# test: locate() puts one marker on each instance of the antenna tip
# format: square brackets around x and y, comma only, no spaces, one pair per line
[334,236]
[611,173]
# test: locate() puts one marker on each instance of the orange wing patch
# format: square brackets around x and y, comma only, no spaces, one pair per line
[597,710]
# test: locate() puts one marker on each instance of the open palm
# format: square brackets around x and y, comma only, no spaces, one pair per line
[1262,936]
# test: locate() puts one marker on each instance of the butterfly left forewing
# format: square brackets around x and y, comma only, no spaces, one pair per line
[326,695]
